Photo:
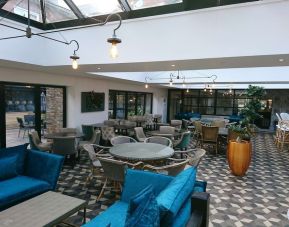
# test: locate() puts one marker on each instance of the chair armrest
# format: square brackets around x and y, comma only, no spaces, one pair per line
[200,210]
[136,180]
[44,166]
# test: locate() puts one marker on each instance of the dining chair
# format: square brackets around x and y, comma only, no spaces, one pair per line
[87,131]
[23,126]
[159,140]
[149,121]
[170,169]
[139,134]
[177,124]
[195,156]
[284,116]
[121,139]
[219,123]
[210,136]
[107,133]
[36,144]
[65,146]
[114,170]
[68,130]
[95,165]
[95,139]
[167,129]
[197,132]
[184,142]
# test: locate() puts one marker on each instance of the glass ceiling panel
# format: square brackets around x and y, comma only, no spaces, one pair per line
[20,8]
[91,8]
[141,4]
[58,10]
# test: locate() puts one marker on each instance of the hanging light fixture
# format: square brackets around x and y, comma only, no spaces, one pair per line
[187,90]
[146,86]
[74,57]
[171,82]
[113,51]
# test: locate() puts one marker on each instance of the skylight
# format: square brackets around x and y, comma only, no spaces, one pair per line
[140,4]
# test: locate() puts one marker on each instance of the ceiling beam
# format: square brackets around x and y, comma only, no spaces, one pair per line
[125,5]
[43,11]
[74,9]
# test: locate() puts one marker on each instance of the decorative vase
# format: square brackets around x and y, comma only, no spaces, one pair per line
[239,156]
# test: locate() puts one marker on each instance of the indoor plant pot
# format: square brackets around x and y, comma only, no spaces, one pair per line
[239,156]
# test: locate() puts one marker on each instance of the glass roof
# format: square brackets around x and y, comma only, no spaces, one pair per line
[51,14]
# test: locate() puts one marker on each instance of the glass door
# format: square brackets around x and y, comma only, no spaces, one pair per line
[19,113]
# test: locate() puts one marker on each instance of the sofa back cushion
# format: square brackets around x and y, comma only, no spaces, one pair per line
[19,152]
[137,180]
[172,198]
[8,167]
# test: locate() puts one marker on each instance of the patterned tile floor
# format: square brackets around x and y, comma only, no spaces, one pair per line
[261,198]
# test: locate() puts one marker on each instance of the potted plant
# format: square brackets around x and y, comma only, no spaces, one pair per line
[239,145]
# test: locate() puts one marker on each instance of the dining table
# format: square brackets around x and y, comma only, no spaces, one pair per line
[141,151]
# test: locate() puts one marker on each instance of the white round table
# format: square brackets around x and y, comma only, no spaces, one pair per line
[141,151]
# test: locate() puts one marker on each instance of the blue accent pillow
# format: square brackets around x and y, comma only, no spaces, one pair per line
[8,167]
[146,213]
[19,151]
[136,200]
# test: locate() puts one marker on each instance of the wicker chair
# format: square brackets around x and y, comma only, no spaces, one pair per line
[114,170]
[35,142]
[171,169]
[121,139]
[94,139]
[195,156]
[197,132]
[210,136]
[159,140]
[139,134]
[96,168]
[284,116]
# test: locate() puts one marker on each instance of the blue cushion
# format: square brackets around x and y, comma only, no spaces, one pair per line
[19,151]
[183,215]
[8,167]
[146,214]
[43,166]
[115,216]
[19,188]
[175,194]
[136,200]
[137,180]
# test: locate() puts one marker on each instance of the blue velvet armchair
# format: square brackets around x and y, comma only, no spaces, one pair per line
[26,173]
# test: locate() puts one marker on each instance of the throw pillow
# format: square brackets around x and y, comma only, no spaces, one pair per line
[146,214]
[138,198]
[8,167]
[19,151]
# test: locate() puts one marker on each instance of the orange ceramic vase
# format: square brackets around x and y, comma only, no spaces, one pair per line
[239,156]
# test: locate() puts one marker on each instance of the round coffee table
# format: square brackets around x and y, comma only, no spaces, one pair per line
[141,151]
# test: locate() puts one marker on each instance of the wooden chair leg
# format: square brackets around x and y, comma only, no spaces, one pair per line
[102,190]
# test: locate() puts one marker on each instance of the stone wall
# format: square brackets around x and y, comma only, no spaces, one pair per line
[54,109]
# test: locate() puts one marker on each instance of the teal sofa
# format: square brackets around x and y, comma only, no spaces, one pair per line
[26,173]
[173,196]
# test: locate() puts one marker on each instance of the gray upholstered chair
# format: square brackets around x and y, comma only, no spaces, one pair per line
[35,142]
[171,169]
[139,134]
[159,140]
[107,133]
[68,130]
[121,139]
[114,170]
[94,139]
[65,146]
[177,124]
